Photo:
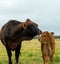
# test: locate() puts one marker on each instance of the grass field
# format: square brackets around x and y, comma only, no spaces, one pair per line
[30,53]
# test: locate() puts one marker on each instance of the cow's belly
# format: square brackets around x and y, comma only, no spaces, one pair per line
[13,45]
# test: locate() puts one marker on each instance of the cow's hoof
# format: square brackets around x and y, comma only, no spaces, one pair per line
[16,63]
[10,63]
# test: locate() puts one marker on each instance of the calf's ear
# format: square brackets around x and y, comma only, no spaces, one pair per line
[52,33]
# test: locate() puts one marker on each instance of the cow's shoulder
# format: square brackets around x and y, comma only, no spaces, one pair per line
[13,22]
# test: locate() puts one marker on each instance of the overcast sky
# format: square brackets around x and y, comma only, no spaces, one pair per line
[46,13]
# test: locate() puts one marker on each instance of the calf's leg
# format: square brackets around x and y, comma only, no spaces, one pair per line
[51,59]
[46,59]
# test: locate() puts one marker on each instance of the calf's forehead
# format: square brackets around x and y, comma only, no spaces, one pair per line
[45,35]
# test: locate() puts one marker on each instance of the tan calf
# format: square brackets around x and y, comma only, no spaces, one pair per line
[47,46]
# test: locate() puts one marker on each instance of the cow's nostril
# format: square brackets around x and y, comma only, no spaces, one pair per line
[39,32]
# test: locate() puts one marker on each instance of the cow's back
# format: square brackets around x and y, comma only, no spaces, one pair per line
[10,26]
[7,29]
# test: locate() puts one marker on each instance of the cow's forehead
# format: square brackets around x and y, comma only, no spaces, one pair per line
[28,21]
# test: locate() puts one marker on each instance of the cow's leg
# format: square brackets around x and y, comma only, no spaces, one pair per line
[9,55]
[17,52]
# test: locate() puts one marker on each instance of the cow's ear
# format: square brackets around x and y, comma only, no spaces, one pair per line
[24,26]
[28,21]
[52,33]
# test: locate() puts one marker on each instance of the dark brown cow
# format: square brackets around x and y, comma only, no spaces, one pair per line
[14,32]
[47,46]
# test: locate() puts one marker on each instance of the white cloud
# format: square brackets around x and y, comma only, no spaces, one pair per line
[44,12]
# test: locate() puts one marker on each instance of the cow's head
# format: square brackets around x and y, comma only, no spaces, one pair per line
[31,29]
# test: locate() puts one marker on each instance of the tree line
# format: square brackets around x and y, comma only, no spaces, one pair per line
[56,37]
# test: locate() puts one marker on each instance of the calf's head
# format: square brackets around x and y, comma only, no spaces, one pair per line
[46,37]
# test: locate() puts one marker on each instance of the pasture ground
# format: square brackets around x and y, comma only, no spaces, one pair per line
[30,53]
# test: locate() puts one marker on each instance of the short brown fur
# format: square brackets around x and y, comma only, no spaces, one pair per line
[47,46]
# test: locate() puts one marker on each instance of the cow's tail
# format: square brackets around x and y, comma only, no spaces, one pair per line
[0,35]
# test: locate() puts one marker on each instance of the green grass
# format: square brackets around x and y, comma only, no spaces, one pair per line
[30,53]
